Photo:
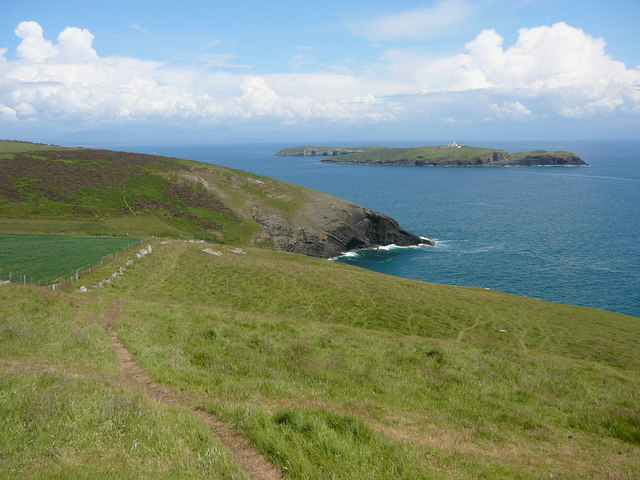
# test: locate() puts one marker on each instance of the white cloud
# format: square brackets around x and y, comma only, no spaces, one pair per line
[559,63]
[33,47]
[418,23]
[510,110]
[550,71]
[220,60]
[139,28]
[76,44]
[545,57]
[7,113]
[69,81]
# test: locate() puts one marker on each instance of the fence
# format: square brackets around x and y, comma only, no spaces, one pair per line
[67,280]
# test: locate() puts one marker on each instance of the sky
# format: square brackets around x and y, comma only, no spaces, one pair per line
[118,72]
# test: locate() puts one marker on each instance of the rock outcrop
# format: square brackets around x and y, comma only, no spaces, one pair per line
[338,227]
[540,159]
[312,152]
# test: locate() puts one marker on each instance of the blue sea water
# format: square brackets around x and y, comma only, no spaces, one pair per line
[564,234]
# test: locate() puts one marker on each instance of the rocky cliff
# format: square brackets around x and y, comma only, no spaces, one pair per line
[330,226]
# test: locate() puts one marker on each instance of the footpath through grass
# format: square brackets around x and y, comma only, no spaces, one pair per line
[332,372]
[65,414]
[44,258]
[338,372]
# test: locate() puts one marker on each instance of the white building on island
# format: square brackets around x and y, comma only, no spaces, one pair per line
[451,145]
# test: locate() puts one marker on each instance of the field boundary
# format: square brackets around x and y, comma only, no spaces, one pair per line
[68,280]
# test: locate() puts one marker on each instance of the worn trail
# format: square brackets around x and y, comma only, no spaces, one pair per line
[252,461]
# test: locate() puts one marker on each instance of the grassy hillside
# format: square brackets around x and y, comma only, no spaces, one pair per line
[100,192]
[330,370]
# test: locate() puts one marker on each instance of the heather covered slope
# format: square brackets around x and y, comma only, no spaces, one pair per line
[331,371]
[101,192]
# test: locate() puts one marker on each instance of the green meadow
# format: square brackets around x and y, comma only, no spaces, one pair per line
[44,258]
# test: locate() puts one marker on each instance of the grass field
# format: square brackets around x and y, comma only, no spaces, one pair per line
[44,258]
[64,412]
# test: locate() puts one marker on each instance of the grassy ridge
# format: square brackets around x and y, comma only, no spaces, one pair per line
[14,146]
[44,258]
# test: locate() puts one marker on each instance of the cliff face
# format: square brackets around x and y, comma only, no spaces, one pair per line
[332,152]
[336,227]
[548,159]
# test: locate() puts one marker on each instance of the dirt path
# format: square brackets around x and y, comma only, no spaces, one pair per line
[252,461]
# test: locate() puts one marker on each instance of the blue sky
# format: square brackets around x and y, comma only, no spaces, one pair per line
[208,71]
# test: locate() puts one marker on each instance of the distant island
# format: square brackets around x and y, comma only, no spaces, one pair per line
[451,155]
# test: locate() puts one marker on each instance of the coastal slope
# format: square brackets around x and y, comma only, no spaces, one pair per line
[329,370]
[452,155]
[47,189]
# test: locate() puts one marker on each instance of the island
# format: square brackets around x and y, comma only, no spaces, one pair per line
[450,155]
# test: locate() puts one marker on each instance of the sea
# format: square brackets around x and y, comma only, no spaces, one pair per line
[563,234]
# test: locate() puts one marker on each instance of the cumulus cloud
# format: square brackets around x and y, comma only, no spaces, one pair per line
[33,47]
[76,44]
[549,71]
[68,80]
[418,23]
[73,44]
[561,63]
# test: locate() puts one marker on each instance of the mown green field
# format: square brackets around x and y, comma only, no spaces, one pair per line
[331,371]
[44,258]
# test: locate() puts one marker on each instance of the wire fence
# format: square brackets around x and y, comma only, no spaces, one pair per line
[70,278]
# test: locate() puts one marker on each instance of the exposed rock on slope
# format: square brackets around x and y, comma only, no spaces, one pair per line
[336,227]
